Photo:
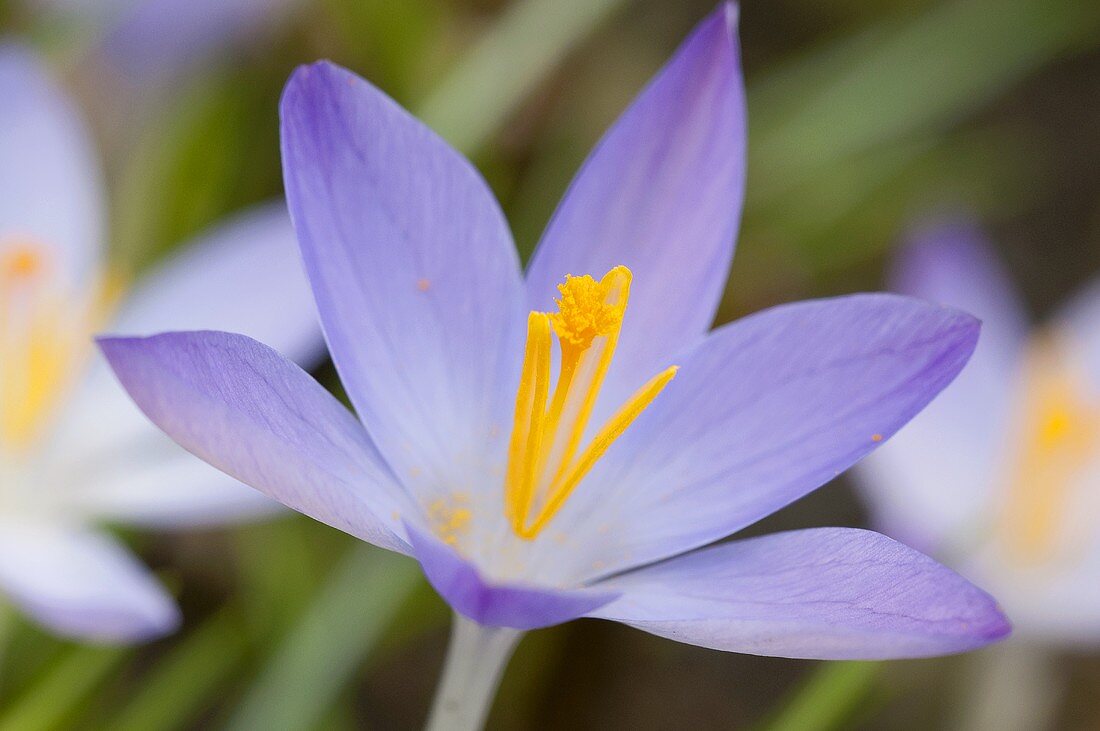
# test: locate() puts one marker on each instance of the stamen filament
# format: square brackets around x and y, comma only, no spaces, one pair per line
[611,431]
[543,468]
[529,418]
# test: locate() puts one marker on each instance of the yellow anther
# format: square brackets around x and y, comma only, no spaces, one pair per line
[586,311]
[543,466]
[45,331]
[1060,435]
[21,261]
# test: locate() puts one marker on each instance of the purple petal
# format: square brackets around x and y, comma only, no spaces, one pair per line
[258,417]
[937,475]
[825,593]
[82,584]
[497,604]
[661,194]
[414,272]
[767,409]
[51,189]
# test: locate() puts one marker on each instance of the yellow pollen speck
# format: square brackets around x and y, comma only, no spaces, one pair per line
[423,284]
[450,518]
[546,459]
[584,311]
[876,437]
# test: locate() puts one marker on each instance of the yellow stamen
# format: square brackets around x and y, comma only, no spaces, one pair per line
[1061,434]
[530,415]
[43,334]
[543,469]
[21,262]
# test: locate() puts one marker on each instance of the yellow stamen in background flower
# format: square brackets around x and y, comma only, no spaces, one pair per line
[1061,435]
[43,335]
[543,469]
[21,262]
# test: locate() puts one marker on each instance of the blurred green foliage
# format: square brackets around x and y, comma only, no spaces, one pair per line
[862,114]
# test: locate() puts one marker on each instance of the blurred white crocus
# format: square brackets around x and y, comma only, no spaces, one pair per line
[74,453]
[1000,476]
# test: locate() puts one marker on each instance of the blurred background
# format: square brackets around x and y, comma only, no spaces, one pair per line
[863,114]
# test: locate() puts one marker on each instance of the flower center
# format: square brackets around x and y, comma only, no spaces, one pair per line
[1059,439]
[42,335]
[545,460]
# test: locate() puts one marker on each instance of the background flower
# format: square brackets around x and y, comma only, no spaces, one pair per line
[1004,467]
[73,451]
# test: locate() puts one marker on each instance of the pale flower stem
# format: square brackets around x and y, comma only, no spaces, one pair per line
[476,658]
[1013,686]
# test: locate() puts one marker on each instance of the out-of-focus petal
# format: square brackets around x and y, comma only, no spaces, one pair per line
[951,262]
[936,476]
[1079,323]
[52,193]
[82,584]
[1054,604]
[765,410]
[151,38]
[498,604]
[243,276]
[1046,583]
[155,483]
[826,593]
[258,417]
[661,194]
[415,275]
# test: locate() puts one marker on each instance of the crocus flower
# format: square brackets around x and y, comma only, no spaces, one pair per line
[74,452]
[1001,476]
[547,460]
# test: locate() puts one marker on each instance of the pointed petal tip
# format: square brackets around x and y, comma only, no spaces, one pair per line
[307,79]
[159,621]
[147,624]
[946,233]
[721,27]
[115,347]
[732,12]
[999,628]
[987,625]
[82,584]
[819,593]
